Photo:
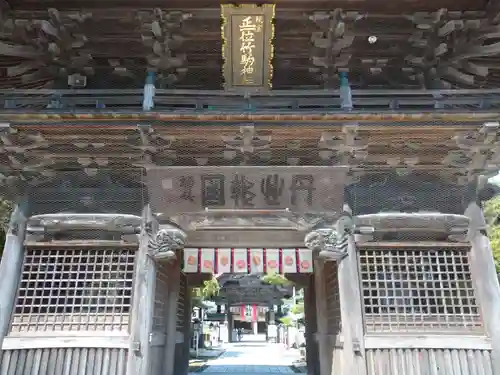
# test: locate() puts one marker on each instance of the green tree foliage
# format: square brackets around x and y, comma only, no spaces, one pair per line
[273,278]
[293,309]
[492,212]
[209,289]
[5,211]
[287,321]
[298,308]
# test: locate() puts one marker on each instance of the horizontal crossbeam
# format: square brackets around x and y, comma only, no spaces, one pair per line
[216,101]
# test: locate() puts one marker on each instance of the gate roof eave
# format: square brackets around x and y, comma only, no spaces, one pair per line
[446,144]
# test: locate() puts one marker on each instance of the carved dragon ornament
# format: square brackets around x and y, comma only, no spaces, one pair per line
[165,243]
[331,242]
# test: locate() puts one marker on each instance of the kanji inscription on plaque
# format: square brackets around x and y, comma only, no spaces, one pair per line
[247,32]
[296,188]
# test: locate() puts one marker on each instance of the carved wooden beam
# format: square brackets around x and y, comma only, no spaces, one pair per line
[429,42]
[331,42]
[121,69]
[445,45]
[247,143]
[479,150]
[348,147]
[151,144]
[161,33]
[52,47]
[4,9]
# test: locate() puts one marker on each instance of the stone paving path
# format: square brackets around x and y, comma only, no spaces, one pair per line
[253,355]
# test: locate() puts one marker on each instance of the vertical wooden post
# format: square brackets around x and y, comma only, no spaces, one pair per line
[485,278]
[351,311]
[356,311]
[312,354]
[324,343]
[173,300]
[11,267]
[186,345]
[141,315]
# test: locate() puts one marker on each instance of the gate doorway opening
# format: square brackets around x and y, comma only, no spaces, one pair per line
[257,315]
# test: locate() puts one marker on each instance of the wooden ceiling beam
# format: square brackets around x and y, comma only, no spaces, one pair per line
[446,45]
[163,36]
[334,37]
[362,5]
[450,48]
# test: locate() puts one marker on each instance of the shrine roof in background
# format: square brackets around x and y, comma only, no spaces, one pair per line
[398,44]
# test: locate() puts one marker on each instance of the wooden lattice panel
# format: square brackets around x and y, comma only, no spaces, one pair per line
[332,296]
[74,289]
[411,290]
[161,298]
[181,303]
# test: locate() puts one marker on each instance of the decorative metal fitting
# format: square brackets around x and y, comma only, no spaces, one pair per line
[166,242]
[331,243]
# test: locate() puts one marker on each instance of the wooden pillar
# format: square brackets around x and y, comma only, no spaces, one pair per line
[322,337]
[173,300]
[184,368]
[141,316]
[11,267]
[312,354]
[485,279]
[351,311]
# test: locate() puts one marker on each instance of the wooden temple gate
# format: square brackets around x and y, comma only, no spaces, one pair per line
[370,198]
[387,292]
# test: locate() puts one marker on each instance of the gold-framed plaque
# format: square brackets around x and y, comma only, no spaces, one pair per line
[247,35]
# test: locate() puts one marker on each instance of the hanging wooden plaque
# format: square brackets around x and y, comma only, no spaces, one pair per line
[247,35]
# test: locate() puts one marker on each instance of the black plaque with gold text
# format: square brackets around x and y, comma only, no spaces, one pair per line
[247,33]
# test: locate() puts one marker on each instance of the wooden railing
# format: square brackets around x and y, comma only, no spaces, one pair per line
[274,101]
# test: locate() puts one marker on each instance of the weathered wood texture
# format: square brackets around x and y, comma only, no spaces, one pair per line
[425,153]
[11,267]
[351,311]
[427,341]
[485,279]
[426,361]
[163,284]
[168,357]
[139,360]
[66,340]
[325,354]
[181,365]
[423,5]
[64,361]
[470,351]
[422,44]
[329,335]
[311,328]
